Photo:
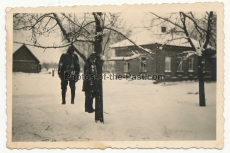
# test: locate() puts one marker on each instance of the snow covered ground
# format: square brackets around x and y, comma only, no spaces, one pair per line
[133,111]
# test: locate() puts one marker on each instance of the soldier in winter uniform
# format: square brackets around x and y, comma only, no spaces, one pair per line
[68,71]
[90,83]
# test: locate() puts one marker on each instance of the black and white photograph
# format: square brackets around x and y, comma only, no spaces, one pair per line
[126,74]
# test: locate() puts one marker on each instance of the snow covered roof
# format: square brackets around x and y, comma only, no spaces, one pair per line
[48,55]
[17,46]
[147,37]
[124,58]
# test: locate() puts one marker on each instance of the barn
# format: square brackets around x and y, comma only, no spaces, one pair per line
[166,58]
[25,61]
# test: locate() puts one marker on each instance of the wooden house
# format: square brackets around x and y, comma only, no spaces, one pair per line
[25,61]
[166,58]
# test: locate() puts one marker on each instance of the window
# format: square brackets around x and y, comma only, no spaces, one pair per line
[190,64]
[163,29]
[180,64]
[167,64]
[143,67]
[127,66]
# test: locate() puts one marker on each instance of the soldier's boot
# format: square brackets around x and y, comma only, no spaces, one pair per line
[91,105]
[88,105]
[72,95]
[63,93]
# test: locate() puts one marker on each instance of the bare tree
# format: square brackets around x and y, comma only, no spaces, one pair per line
[46,65]
[90,29]
[190,26]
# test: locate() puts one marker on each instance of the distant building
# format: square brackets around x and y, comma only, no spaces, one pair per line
[165,59]
[25,61]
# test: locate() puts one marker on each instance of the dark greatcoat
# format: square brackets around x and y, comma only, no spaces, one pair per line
[68,62]
[90,78]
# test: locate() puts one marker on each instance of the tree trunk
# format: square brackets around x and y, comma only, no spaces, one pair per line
[98,50]
[201,82]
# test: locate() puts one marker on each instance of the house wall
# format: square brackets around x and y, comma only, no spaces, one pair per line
[134,63]
[156,63]
[119,67]
[135,67]
[175,74]
[210,68]
[173,51]
[29,67]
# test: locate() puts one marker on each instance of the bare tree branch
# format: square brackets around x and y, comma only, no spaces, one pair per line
[65,34]
[144,49]
[194,21]
[209,29]
[81,27]
[37,21]
[44,47]
[183,20]
[166,19]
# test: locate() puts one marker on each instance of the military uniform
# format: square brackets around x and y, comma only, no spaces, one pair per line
[90,82]
[68,71]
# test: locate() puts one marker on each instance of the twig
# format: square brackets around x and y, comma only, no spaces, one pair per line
[47,128]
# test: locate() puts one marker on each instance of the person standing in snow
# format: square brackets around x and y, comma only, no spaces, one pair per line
[68,71]
[90,82]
